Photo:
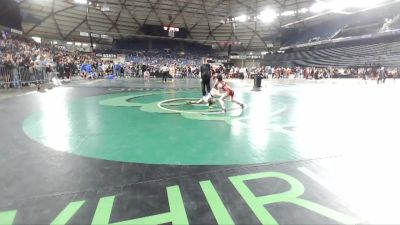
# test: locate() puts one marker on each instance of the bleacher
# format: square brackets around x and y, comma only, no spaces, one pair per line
[395,25]
[323,31]
[385,54]
[148,44]
[359,29]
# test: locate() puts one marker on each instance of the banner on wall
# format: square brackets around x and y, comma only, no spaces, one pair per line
[238,57]
[254,57]
[246,56]
[104,55]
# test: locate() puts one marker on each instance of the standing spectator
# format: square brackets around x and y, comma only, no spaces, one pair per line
[395,74]
[144,68]
[189,70]
[122,70]
[12,66]
[172,71]
[68,69]
[146,75]
[382,75]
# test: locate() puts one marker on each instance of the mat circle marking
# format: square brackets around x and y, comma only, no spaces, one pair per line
[204,112]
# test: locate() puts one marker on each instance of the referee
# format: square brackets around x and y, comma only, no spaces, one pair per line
[164,71]
[205,71]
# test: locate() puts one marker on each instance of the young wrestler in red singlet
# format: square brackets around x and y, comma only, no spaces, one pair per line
[221,85]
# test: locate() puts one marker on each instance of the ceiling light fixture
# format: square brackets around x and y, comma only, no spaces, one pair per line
[303,10]
[288,13]
[267,16]
[318,7]
[83,2]
[241,18]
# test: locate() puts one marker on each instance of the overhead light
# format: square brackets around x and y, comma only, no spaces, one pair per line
[302,10]
[78,43]
[37,39]
[85,44]
[81,2]
[241,18]
[388,20]
[84,34]
[69,43]
[54,42]
[105,8]
[318,7]
[288,13]
[267,16]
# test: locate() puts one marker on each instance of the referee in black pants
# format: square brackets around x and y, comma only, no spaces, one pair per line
[205,71]
[164,71]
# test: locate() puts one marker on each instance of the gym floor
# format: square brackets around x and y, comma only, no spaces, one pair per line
[134,152]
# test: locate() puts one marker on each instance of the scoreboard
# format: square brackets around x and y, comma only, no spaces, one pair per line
[164,31]
[10,14]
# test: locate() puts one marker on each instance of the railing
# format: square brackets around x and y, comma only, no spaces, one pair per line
[22,76]
[5,77]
